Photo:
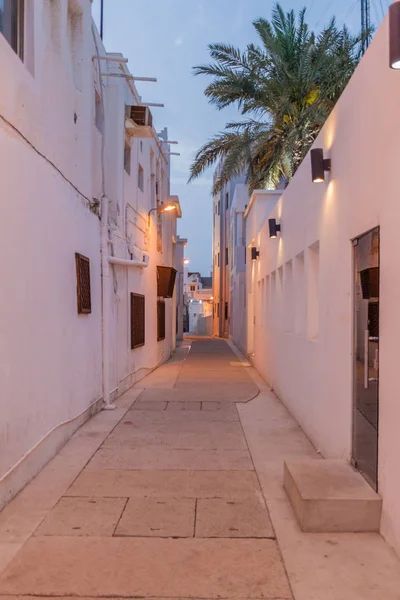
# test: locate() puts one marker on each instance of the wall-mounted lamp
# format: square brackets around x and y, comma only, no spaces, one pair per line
[273,228]
[164,208]
[394,35]
[254,253]
[186,261]
[319,165]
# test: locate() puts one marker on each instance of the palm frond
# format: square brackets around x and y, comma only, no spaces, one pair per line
[286,87]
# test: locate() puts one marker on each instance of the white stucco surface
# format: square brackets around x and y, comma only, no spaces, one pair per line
[304,348]
[51,131]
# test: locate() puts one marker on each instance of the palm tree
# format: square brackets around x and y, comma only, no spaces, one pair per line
[285,89]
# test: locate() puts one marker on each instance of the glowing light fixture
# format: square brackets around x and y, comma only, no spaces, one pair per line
[164,208]
[186,261]
[254,253]
[319,165]
[394,35]
[273,228]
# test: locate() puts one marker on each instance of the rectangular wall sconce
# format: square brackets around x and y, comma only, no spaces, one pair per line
[319,165]
[273,228]
[254,253]
[394,35]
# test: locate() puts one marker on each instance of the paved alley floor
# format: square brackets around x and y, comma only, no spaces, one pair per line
[166,497]
[169,505]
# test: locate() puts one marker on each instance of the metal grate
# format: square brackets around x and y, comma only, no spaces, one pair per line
[141,115]
[160,320]
[165,281]
[137,320]
[83,284]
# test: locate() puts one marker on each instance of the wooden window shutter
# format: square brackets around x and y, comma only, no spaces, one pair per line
[137,321]
[160,320]
[83,284]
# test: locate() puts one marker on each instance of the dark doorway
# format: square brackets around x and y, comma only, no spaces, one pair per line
[366,356]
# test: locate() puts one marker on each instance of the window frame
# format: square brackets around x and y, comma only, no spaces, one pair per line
[16,35]
[142,341]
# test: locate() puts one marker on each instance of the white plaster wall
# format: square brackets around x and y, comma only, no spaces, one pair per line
[130,226]
[50,174]
[50,367]
[313,377]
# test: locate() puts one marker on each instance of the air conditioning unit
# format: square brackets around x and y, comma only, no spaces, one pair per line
[139,121]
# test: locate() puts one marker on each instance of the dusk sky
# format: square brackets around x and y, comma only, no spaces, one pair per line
[165,39]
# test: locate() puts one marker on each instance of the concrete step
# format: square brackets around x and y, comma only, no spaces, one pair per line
[330,496]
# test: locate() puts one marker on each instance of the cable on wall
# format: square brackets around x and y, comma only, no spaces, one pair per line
[21,135]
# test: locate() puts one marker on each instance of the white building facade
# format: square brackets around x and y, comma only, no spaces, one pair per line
[222,252]
[326,290]
[90,306]
[237,266]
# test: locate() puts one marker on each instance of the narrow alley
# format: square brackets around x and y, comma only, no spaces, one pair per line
[165,497]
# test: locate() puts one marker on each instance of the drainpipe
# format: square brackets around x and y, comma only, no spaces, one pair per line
[125,262]
[106,305]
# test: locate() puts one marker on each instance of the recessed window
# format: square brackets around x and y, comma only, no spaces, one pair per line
[313,292]
[141,178]
[160,320]
[137,321]
[226,311]
[300,295]
[83,284]
[141,146]
[75,36]
[127,157]
[219,207]
[226,256]
[289,317]
[12,24]
[99,119]
[227,200]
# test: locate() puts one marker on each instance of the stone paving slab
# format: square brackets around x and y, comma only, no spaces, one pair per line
[205,415]
[237,391]
[221,407]
[163,377]
[185,392]
[161,458]
[83,516]
[199,373]
[176,395]
[168,484]
[144,405]
[184,406]
[128,428]
[212,435]
[218,518]
[158,517]
[129,567]
[114,598]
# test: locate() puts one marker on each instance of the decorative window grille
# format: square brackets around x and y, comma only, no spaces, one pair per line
[137,321]
[83,284]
